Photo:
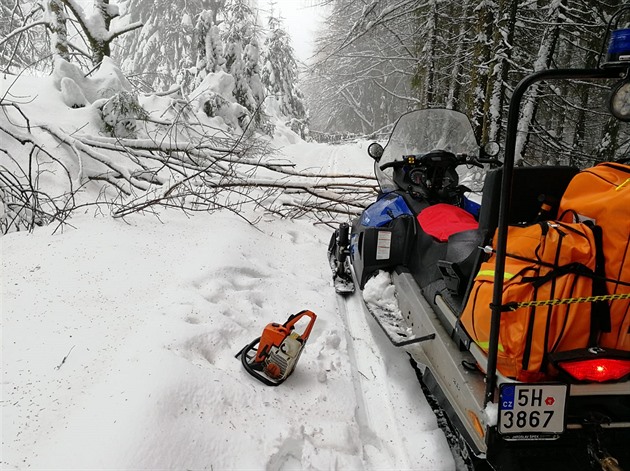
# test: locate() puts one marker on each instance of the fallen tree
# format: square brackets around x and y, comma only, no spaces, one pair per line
[177,163]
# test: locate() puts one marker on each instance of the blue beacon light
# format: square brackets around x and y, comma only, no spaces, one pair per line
[619,47]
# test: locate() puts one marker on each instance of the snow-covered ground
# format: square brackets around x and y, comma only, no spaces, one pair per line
[118,344]
[119,335]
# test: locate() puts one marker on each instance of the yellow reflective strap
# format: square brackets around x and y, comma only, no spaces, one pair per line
[486,346]
[506,276]
[622,185]
[588,299]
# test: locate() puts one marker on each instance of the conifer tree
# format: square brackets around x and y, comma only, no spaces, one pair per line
[280,72]
[208,44]
[242,55]
[160,52]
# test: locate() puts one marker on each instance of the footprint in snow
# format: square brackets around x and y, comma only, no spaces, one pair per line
[229,299]
[219,285]
[328,361]
[289,452]
[204,349]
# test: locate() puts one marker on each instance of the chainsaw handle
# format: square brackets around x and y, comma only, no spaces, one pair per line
[293,319]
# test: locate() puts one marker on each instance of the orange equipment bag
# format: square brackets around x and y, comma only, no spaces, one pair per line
[602,194]
[545,261]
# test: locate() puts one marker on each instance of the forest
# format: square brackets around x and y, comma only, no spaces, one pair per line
[378,59]
[161,46]
[374,60]
[182,94]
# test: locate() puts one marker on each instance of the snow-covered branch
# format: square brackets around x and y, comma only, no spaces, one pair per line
[21,30]
[209,172]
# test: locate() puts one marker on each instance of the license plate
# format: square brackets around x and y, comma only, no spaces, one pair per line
[532,411]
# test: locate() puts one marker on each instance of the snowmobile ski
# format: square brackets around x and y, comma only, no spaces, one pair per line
[271,358]
[338,252]
[343,284]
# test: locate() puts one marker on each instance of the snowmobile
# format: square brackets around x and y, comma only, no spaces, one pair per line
[434,239]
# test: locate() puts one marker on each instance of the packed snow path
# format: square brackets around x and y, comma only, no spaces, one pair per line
[119,340]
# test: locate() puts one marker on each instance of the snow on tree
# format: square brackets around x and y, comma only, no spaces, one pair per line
[99,28]
[280,76]
[500,65]
[208,43]
[160,53]
[242,57]
[23,43]
[62,20]
[58,30]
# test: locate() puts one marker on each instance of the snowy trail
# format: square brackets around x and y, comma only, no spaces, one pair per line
[119,340]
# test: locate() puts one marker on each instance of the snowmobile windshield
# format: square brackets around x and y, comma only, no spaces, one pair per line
[422,131]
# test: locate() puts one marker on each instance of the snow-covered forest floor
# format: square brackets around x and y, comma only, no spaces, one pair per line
[119,340]
[119,336]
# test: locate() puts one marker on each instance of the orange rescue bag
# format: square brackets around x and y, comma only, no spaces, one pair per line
[602,194]
[545,261]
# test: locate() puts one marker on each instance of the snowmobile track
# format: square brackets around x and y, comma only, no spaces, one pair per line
[389,397]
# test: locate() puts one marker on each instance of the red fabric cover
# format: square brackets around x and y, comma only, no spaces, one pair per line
[441,220]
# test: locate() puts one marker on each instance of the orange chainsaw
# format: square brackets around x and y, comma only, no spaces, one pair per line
[277,351]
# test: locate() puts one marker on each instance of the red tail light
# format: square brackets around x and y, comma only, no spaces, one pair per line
[597,369]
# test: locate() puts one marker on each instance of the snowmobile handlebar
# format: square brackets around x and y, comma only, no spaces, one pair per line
[491,161]
[439,158]
[435,158]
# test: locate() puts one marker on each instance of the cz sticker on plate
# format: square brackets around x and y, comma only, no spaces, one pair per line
[532,411]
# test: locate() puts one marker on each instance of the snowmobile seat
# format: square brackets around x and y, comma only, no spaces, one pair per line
[452,224]
[531,186]
[443,220]
[444,233]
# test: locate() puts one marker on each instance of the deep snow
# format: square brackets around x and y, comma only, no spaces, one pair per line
[119,340]
[119,336]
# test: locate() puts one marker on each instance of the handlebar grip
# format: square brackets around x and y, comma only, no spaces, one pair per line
[396,163]
[490,161]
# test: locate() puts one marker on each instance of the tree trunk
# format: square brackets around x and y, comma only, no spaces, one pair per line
[454,89]
[543,61]
[479,71]
[429,91]
[59,32]
[501,70]
[101,46]
[609,141]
